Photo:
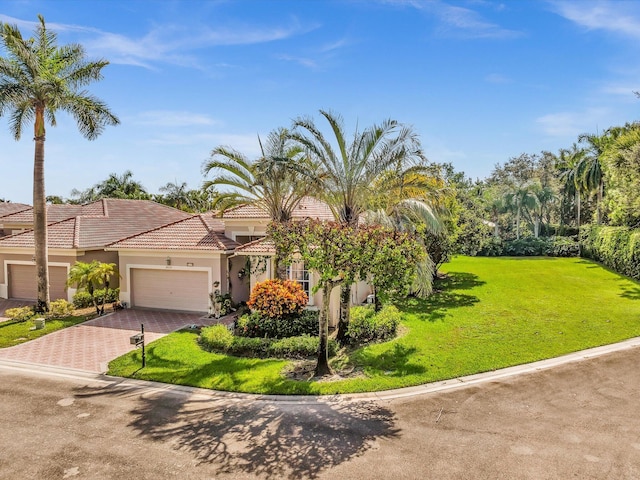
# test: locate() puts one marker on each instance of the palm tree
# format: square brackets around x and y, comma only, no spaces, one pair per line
[114,186]
[568,163]
[535,207]
[349,169]
[272,182]
[518,197]
[92,276]
[38,79]
[410,201]
[590,169]
[177,195]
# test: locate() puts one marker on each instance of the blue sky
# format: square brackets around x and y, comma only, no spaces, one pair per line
[480,81]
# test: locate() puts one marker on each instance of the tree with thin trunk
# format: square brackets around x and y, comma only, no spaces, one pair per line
[350,167]
[340,254]
[38,78]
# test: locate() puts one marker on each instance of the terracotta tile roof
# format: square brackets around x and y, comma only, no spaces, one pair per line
[55,213]
[260,246]
[7,208]
[101,223]
[199,232]
[307,208]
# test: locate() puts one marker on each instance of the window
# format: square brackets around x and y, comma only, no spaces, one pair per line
[298,273]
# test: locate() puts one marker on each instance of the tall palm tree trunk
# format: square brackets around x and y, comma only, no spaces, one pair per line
[600,194]
[40,216]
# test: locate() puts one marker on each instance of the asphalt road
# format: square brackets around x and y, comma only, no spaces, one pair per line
[576,421]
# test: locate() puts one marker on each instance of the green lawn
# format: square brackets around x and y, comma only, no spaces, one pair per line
[489,313]
[14,333]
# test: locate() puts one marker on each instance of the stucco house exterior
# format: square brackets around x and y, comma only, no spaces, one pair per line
[75,233]
[167,259]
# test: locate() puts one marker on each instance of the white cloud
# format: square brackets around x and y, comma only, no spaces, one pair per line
[618,17]
[169,43]
[173,119]
[305,62]
[497,78]
[458,21]
[571,124]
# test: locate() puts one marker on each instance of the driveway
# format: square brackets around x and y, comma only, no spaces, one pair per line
[91,345]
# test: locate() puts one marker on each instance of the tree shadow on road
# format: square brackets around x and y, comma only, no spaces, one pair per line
[262,438]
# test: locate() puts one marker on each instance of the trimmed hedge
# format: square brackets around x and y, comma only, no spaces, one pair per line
[82,299]
[532,247]
[366,325]
[616,247]
[256,324]
[218,338]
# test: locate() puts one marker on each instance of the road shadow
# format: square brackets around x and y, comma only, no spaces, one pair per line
[267,439]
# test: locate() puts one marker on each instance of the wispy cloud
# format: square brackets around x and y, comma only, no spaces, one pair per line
[571,124]
[173,119]
[170,44]
[305,62]
[458,21]
[618,17]
[497,78]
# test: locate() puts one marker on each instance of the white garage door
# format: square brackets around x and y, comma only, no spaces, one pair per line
[170,289]
[23,284]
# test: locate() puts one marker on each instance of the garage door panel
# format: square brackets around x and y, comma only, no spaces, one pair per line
[170,289]
[23,283]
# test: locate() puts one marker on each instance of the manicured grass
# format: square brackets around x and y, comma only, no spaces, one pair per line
[489,313]
[14,333]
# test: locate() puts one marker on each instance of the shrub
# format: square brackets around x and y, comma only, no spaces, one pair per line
[82,298]
[366,326]
[531,247]
[60,309]
[616,247]
[277,298]
[526,247]
[302,346]
[564,247]
[256,325]
[216,338]
[19,314]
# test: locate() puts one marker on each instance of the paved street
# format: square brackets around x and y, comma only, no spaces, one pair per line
[578,420]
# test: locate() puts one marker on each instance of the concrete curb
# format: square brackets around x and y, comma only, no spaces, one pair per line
[142,386]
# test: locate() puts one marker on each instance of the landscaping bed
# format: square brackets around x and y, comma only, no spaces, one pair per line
[486,314]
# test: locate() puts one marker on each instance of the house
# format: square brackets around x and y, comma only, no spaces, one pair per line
[178,266]
[75,233]
[7,208]
[167,259]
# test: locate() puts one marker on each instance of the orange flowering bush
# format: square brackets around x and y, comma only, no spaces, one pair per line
[278,298]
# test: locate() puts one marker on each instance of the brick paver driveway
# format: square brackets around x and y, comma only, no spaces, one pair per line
[91,345]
